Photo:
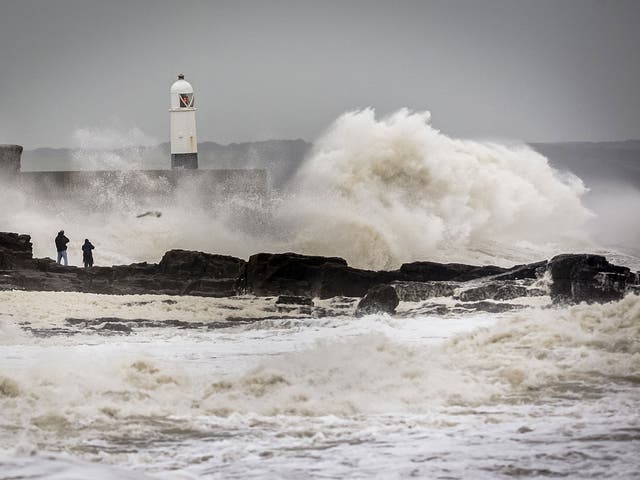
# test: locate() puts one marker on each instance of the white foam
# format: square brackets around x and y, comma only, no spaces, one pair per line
[379,192]
[385,191]
[348,371]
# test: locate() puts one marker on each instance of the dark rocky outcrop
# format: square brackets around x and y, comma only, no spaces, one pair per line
[293,300]
[180,272]
[487,306]
[587,278]
[522,272]
[15,251]
[296,279]
[186,262]
[304,275]
[493,290]
[379,299]
[327,277]
[420,291]
[511,291]
[456,272]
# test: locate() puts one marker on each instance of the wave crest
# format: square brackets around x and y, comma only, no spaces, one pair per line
[382,192]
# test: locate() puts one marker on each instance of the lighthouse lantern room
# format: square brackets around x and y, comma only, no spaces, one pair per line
[184,144]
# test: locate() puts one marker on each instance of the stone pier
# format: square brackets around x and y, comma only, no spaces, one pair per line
[10,160]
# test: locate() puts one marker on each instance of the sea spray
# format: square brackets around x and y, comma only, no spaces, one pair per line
[378,192]
[382,192]
[112,148]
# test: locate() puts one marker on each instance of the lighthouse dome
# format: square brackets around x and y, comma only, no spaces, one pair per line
[182,94]
[181,86]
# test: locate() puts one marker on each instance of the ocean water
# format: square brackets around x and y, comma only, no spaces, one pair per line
[540,393]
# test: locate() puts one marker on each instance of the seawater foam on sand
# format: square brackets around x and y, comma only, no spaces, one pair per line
[49,309]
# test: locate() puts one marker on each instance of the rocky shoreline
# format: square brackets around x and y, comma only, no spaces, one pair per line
[297,279]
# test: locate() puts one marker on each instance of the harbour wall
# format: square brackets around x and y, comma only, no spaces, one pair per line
[213,183]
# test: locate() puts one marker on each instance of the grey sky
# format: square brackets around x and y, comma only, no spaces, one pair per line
[535,70]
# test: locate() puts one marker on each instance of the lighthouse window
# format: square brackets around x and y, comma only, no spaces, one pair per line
[186,100]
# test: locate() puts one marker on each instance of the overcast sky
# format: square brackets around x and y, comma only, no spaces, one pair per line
[532,70]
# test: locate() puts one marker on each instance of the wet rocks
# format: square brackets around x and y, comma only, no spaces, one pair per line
[180,272]
[343,281]
[300,275]
[432,271]
[379,299]
[294,300]
[489,306]
[510,291]
[420,291]
[15,251]
[493,290]
[587,278]
[327,277]
[521,272]
[186,262]
[296,279]
[210,287]
[116,328]
[126,325]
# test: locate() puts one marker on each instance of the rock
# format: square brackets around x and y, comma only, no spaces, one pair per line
[379,299]
[536,292]
[211,287]
[432,271]
[182,272]
[179,273]
[15,251]
[293,300]
[511,291]
[420,291]
[482,292]
[424,309]
[116,327]
[490,307]
[191,263]
[587,278]
[521,272]
[288,274]
[125,324]
[493,290]
[327,277]
[342,281]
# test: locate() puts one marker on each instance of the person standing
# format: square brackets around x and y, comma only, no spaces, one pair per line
[87,254]
[61,246]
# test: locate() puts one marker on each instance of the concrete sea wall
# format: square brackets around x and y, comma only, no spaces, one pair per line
[10,160]
[214,183]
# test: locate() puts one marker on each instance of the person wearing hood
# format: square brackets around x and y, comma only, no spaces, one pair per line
[61,247]
[87,254]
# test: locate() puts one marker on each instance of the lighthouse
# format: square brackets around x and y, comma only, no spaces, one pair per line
[184,145]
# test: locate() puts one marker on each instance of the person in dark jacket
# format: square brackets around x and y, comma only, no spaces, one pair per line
[87,254]
[61,246]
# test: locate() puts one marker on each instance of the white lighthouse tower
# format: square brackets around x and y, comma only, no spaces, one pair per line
[184,144]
